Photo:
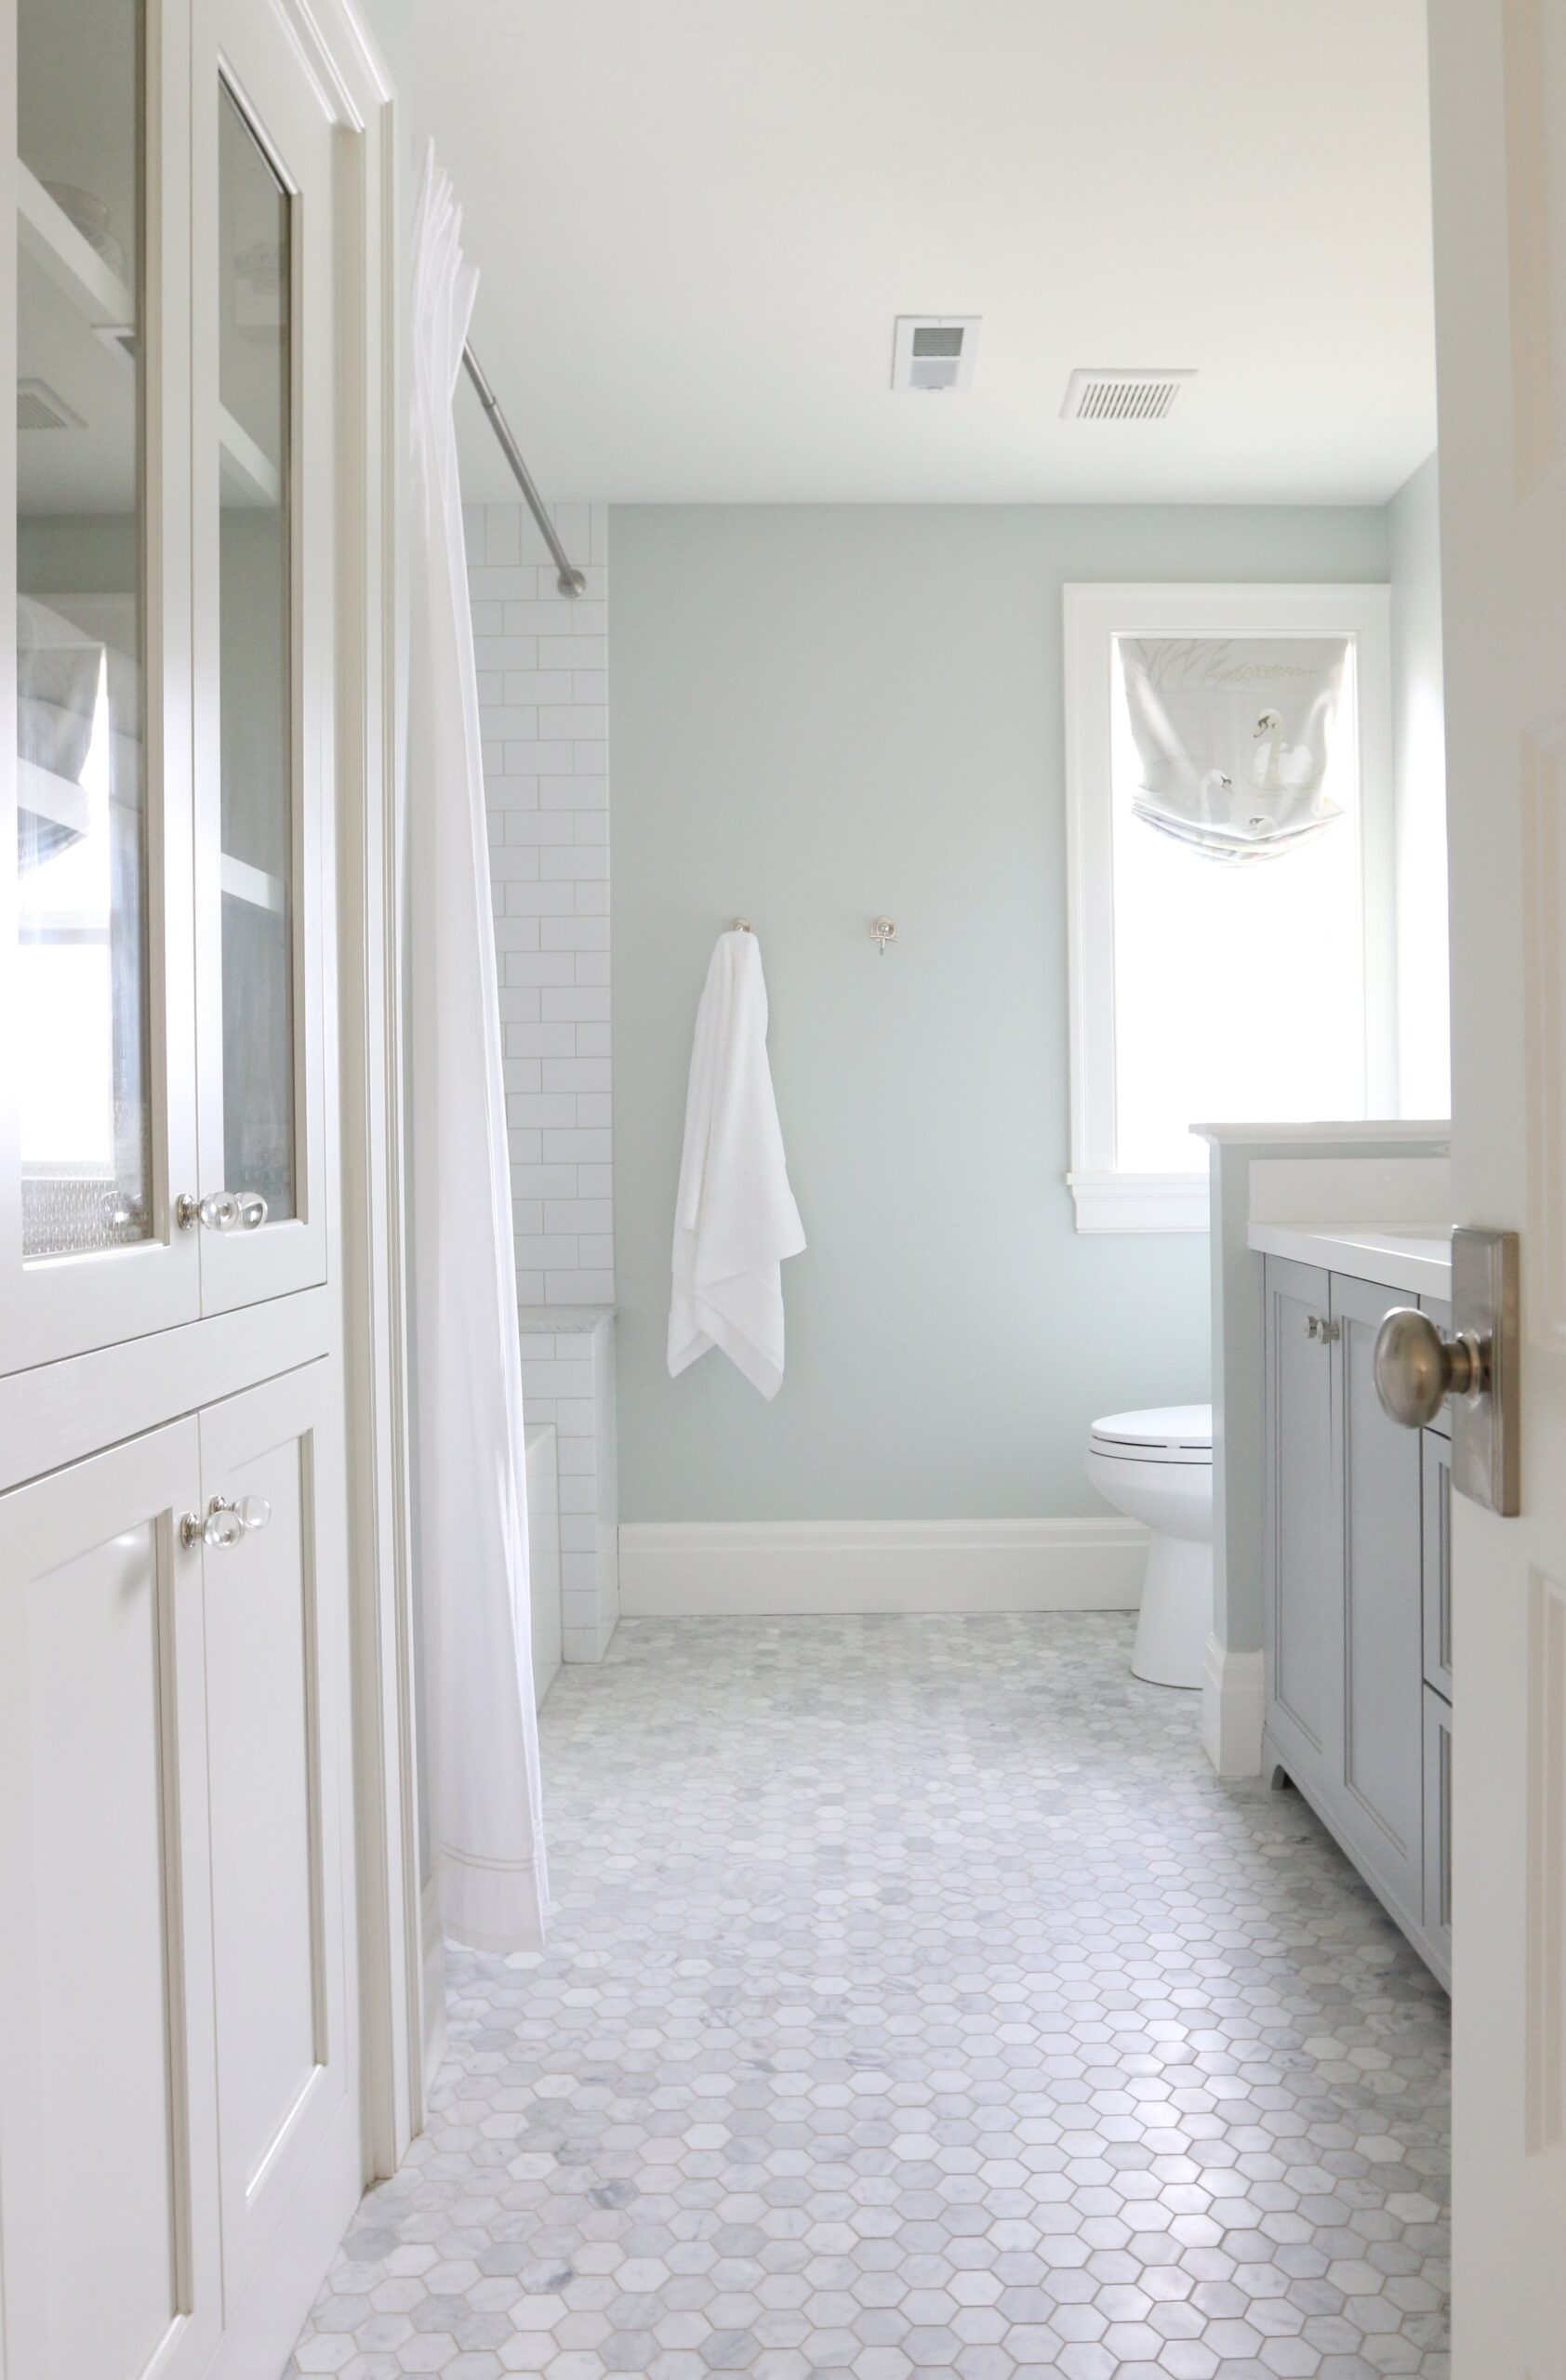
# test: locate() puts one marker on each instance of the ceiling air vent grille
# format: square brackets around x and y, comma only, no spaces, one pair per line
[933,354]
[1123,395]
[39,407]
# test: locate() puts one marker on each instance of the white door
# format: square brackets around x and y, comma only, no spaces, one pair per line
[97,1091]
[276,1605]
[1498,70]
[108,2265]
[265,648]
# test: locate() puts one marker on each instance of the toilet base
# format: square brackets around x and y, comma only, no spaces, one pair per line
[1177,1612]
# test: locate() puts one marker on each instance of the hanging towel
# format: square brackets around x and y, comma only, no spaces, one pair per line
[735,1219]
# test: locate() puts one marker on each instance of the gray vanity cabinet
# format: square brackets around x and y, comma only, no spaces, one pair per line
[1357,1642]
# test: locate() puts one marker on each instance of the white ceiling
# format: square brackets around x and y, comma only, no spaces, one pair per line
[696,220]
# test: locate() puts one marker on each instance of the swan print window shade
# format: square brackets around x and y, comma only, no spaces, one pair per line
[1233,738]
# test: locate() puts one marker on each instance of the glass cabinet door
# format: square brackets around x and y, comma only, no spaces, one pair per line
[263,504]
[256,706]
[96,1113]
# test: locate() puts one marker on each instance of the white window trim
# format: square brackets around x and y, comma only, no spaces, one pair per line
[1107,1199]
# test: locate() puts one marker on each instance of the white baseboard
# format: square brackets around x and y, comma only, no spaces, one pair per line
[1233,1701]
[685,1569]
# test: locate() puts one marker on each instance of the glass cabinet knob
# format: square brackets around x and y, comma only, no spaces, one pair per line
[225,1522]
[222,1210]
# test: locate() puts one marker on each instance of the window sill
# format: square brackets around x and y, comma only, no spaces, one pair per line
[1143,1202]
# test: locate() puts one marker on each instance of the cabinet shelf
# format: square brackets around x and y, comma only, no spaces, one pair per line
[44,794]
[240,882]
[47,235]
[249,474]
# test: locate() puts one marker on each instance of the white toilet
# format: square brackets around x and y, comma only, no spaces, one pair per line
[1157,1467]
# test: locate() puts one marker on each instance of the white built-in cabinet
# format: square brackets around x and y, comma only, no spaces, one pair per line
[1357,1609]
[180,2127]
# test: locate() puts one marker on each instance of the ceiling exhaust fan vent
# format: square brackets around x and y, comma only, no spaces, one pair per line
[1123,395]
[41,407]
[933,354]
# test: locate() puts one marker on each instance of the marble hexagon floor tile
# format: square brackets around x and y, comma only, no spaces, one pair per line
[918,2004]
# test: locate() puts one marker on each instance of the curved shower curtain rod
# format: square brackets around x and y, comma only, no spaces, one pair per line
[568,580]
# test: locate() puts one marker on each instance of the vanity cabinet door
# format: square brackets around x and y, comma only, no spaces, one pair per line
[1380,1806]
[1302,1608]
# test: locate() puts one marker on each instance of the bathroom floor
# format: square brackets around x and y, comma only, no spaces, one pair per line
[918,2004]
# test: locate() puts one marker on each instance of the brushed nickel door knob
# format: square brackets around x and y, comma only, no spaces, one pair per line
[1417,1369]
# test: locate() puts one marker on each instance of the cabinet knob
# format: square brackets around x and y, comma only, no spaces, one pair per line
[1416,1369]
[225,1522]
[222,1210]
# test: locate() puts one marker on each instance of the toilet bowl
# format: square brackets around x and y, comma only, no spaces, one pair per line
[1157,1467]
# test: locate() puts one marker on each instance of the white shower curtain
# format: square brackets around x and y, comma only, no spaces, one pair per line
[480,1723]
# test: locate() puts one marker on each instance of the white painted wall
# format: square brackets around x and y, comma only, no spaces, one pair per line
[822,714]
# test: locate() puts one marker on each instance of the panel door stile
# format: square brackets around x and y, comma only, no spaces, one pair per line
[1435,1558]
[1438,1830]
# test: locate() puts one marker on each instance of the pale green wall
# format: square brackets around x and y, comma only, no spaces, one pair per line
[818,714]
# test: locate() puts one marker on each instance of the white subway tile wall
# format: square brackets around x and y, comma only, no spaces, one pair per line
[544,717]
[569,1378]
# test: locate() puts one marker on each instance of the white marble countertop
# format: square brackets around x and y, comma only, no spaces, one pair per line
[1418,1259]
[1391,1131]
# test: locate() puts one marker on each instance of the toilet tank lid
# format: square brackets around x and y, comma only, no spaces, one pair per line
[1165,1430]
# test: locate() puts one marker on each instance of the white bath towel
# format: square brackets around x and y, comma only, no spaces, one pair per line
[735,1219]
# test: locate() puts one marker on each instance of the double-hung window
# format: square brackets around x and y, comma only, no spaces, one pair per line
[1230,872]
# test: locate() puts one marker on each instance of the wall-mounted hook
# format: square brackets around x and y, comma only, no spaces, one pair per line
[883,932]
[740,925]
